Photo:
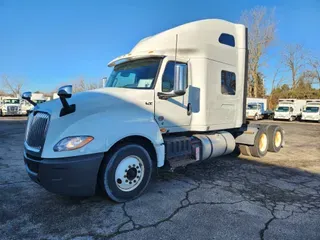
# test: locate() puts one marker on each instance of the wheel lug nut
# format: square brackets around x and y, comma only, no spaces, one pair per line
[127,181]
[138,171]
[130,182]
[125,176]
[133,165]
[134,180]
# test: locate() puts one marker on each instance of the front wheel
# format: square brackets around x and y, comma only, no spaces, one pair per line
[126,172]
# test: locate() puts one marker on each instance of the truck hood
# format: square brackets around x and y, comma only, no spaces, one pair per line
[107,115]
[100,100]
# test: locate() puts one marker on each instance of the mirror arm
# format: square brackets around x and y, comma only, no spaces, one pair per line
[166,96]
[64,102]
[30,101]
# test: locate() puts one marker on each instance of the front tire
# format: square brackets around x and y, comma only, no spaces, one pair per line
[126,172]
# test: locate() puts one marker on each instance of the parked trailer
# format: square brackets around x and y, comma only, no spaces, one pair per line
[154,112]
[311,111]
[289,109]
[256,108]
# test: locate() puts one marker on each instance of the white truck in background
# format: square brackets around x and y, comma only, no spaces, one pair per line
[10,106]
[311,111]
[289,109]
[256,108]
[179,97]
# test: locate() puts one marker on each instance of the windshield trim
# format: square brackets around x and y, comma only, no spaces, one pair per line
[155,78]
[10,99]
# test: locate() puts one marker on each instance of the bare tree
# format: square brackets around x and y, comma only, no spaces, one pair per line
[13,86]
[261,32]
[294,58]
[314,73]
[81,85]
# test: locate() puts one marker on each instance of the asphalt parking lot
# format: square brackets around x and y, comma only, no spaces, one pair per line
[277,197]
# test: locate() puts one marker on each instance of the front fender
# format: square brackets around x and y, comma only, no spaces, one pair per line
[107,129]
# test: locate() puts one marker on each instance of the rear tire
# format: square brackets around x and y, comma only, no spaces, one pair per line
[291,119]
[125,172]
[275,138]
[260,147]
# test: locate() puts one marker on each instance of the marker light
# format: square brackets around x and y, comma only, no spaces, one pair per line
[72,143]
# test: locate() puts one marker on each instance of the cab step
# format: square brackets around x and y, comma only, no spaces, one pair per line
[182,150]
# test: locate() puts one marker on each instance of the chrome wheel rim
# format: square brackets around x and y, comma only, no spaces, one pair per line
[129,173]
[277,139]
[263,140]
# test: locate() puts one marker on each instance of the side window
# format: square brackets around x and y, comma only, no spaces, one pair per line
[228,83]
[227,39]
[168,77]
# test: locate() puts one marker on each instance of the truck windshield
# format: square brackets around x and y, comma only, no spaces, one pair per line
[138,74]
[282,109]
[252,107]
[312,109]
[11,101]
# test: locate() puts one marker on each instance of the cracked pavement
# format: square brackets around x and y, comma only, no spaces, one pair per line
[277,197]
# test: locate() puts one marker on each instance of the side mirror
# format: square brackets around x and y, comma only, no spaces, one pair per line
[180,83]
[180,79]
[65,91]
[27,96]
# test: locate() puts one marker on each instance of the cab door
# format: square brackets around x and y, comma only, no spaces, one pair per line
[173,114]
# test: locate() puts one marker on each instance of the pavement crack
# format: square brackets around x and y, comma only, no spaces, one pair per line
[266,226]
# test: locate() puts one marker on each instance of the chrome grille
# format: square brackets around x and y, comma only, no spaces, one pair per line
[37,130]
[12,109]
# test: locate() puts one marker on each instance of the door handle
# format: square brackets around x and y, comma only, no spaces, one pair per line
[189,109]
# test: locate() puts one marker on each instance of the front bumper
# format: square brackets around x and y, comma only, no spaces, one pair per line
[310,118]
[282,117]
[72,176]
[11,113]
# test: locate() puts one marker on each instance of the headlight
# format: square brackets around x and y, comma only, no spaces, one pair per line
[72,143]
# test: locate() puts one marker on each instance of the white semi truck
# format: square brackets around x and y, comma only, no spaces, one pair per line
[179,97]
[311,111]
[256,108]
[289,109]
[10,106]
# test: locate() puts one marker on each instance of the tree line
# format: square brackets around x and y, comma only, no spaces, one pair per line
[298,71]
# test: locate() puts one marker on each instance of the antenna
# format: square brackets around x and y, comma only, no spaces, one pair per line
[176,50]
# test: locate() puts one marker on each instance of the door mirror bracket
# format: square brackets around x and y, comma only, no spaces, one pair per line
[180,83]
